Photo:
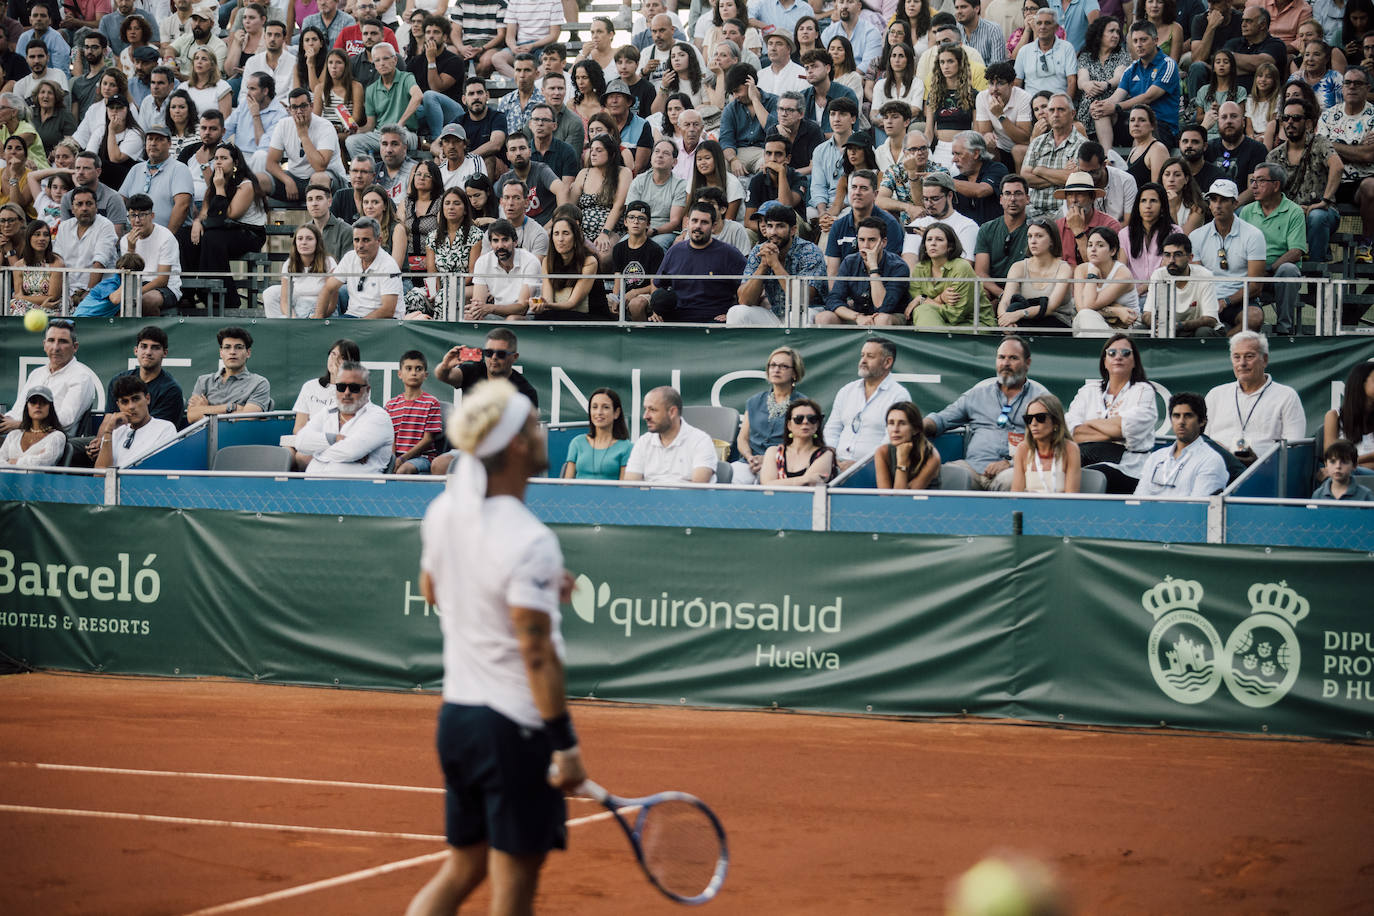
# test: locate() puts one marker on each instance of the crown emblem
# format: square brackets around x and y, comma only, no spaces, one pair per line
[1173,594]
[1278,599]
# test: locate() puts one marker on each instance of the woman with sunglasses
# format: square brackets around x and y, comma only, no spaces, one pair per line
[1047,460]
[802,459]
[39,440]
[909,461]
[1113,421]
[318,393]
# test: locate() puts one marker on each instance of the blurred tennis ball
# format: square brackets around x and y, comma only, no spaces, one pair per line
[35,320]
[1005,886]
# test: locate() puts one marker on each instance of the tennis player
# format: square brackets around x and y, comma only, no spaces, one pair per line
[506,742]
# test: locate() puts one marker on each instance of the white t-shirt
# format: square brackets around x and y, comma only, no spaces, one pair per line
[791,79]
[314,398]
[321,134]
[382,278]
[481,568]
[281,77]
[157,249]
[129,445]
[25,87]
[689,450]
[965,228]
[1197,291]
[207,97]
[506,287]
[454,178]
[1017,109]
[1273,412]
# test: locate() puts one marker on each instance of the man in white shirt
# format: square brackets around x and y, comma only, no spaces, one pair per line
[354,436]
[311,150]
[136,433]
[372,275]
[505,278]
[274,60]
[87,242]
[36,56]
[1195,302]
[1189,467]
[937,194]
[457,164]
[157,246]
[73,385]
[782,73]
[857,424]
[672,451]
[1253,412]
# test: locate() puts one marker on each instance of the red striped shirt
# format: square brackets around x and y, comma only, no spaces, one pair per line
[412,419]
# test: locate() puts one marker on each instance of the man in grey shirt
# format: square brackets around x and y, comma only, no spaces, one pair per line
[996,410]
[108,203]
[664,192]
[233,389]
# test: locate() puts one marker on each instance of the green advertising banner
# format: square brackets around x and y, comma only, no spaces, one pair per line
[709,366]
[1049,629]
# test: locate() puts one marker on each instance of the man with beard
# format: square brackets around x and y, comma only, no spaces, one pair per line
[1192,148]
[108,202]
[545,190]
[1118,187]
[485,127]
[274,60]
[111,22]
[776,181]
[654,56]
[456,164]
[937,197]
[505,277]
[699,256]
[1002,242]
[763,303]
[857,423]
[352,437]
[1314,175]
[672,451]
[863,36]
[995,409]
[1233,153]
[1195,301]
[250,126]
[202,35]
[92,65]
[87,242]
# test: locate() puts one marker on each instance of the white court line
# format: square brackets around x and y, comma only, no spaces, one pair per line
[285,780]
[249,902]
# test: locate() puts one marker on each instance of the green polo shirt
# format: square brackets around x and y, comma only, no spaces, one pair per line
[387,105]
[1283,230]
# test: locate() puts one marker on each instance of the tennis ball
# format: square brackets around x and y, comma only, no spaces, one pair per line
[1006,885]
[35,320]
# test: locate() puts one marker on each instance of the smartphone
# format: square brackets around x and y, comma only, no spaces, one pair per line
[469,354]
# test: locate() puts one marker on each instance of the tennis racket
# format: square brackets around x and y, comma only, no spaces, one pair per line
[678,841]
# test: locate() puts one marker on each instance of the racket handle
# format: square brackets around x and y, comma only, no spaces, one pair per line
[593,791]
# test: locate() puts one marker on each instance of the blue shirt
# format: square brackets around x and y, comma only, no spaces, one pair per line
[809,103]
[739,127]
[825,173]
[772,12]
[697,299]
[97,303]
[239,127]
[857,294]
[162,183]
[1244,243]
[867,41]
[843,242]
[1161,71]
[1074,20]
[59,52]
[803,259]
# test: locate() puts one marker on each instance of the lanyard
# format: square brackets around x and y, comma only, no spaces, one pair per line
[1246,421]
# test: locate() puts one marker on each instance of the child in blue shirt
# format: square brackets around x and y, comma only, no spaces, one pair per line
[102,300]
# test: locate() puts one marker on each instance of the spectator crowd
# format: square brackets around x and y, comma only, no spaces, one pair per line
[1066,164]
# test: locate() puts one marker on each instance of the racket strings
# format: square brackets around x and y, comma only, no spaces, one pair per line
[681,847]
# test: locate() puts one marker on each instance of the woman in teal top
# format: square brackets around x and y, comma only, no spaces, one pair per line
[604,451]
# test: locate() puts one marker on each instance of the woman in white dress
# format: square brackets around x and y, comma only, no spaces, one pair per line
[1113,420]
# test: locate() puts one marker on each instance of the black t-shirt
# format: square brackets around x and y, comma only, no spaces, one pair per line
[1225,32]
[1271,46]
[1236,164]
[644,93]
[344,205]
[809,137]
[479,132]
[1208,174]
[14,66]
[447,63]
[762,189]
[474,372]
[982,209]
[560,157]
[636,265]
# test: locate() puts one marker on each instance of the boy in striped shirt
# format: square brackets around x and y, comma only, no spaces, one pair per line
[415,417]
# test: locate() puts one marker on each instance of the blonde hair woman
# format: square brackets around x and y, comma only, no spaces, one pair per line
[205,85]
[1047,460]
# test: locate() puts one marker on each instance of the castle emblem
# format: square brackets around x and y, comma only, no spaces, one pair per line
[1184,648]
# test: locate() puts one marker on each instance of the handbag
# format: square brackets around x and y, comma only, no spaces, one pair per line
[1019,302]
[1101,452]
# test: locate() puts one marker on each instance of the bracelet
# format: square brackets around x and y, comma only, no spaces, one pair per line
[560,732]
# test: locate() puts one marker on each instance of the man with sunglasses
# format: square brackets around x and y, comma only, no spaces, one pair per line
[498,355]
[353,437]
[995,408]
[134,432]
[233,389]
[1349,128]
[1234,251]
[1189,467]
[1314,175]
[371,273]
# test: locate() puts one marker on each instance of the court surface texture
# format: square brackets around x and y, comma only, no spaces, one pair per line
[146,796]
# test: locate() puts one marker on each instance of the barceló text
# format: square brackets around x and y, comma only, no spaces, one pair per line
[120,582]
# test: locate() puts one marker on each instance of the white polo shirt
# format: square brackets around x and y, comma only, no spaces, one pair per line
[382,278]
[128,445]
[673,463]
[506,286]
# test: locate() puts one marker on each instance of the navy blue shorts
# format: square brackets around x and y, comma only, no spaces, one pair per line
[496,774]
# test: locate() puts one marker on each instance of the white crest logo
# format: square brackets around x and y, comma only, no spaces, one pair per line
[1258,663]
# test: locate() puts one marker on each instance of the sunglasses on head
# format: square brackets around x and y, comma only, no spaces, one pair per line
[1038,417]
[350,387]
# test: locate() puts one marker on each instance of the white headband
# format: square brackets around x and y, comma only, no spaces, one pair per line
[513,419]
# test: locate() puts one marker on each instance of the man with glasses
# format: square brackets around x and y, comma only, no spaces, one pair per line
[1256,46]
[1189,467]
[803,134]
[900,190]
[995,409]
[353,437]
[978,178]
[309,147]
[94,47]
[937,196]
[348,202]
[86,242]
[1002,242]
[463,367]
[162,178]
[1234,154]
[1284,227]
[780,254]
[547,149]
[131,431]
[506,275]
[1234,251]
[664,192]
[635,259]
[372,275]
[857,422]
[1349,127]
[1314,175]
[157,246]
[73,386]
[1050,62]
[233,389]
[1194,297]
[1051,157]
[1002,114]
[567,125]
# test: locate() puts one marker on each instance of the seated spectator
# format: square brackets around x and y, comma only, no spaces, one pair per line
[485,127]
[1339,462]
[634,260]
[352,437]
[937,194]
[1051,157]
[452,247]
[416,418]
[1046,460]
[858,418]
[496,359]
[1314,175]
[546,148]
[863,196]
[165,400]
[856,156]
[1079,215]
[1004,111]
[347,204]
[1346,126]
[181,119]
[939,295]
[36,439]
[120,141]
[1036,294]
[14,177]
[909,462]
[1114,420]
[339,97]
[47,187]
[1152,79]
[14,122]
[303,275]
[604,451]
[748,118]
[995,409]
[304,150]
[777,181]
[785,75]
[701,255]
[879,300]
[664,192]
[86,242]
[762,424]
[1253,412]
[1100,307]
[233,389]
[544,189]
[505,278]
[1354,419]
[763,302]
[160,287]
[672,451]
[1234,252]
[529,235]
[1143,237]
[162,178]
[317,394]
[106,298]
[135,432]
[37,282]
[251,125]
[712,171]
[723,229]
[372,274]
[205,85]
[803,133]
[896,120]
[1189,467]
[457,165]
[1194,298]
[1284,227]
[1234,154]
[72,386]
[1051,63]
[13,219]
[563,297]
[901,190]
[337,234]
[801,459]
[978,178]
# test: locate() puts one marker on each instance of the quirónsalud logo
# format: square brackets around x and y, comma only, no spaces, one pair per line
[1258,662]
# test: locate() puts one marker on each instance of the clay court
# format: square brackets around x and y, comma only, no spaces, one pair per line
[825,814]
